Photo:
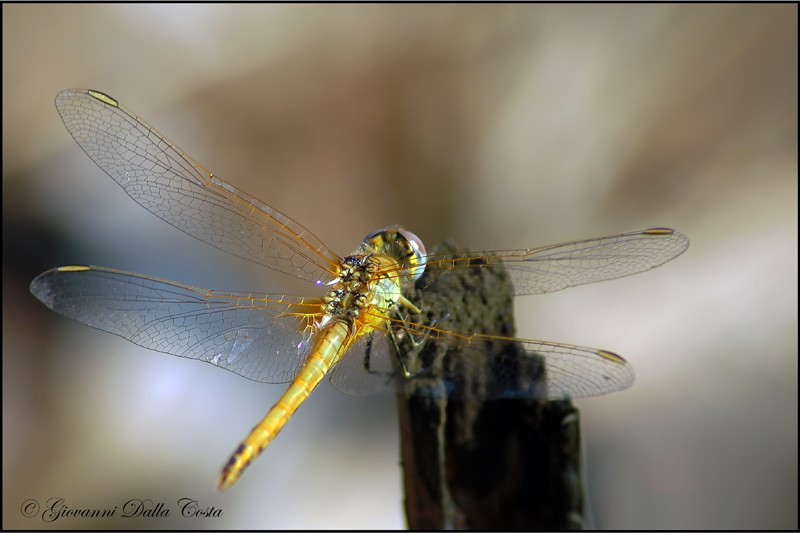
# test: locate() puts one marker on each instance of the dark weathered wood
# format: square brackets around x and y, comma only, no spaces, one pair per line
[502,464]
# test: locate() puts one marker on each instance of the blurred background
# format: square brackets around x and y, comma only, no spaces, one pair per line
[507,126]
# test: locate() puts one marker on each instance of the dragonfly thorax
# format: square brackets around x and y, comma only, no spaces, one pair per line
[367,289]
[369,282]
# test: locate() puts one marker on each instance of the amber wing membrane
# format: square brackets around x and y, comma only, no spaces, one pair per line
[263,337]
[163,179]
[559,266]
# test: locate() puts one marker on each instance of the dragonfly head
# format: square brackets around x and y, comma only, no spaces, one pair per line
[402,245]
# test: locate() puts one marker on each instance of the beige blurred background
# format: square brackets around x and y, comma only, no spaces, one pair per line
[499,126]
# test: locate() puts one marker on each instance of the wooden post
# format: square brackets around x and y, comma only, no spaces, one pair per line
[506,464]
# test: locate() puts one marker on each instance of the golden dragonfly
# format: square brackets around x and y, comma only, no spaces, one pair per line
[278,338]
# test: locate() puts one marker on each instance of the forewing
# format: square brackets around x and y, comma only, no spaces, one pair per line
[263,337]
[163,179]
[556,267]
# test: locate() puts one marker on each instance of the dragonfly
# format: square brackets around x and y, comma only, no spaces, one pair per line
[346,333]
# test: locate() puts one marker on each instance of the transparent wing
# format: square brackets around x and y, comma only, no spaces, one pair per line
[482,367]
[263,337]
[472,366]
[478,367]
[367,367]
[556,267]
[163,179]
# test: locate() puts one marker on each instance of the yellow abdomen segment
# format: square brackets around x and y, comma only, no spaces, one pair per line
[330,343]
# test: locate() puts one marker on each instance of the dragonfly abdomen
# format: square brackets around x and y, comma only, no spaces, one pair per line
[331,341]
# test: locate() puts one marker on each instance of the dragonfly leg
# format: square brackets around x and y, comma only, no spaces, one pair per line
[416,344]
[368,361]
[367,355]
[411,307]
[416,310]
[406,373]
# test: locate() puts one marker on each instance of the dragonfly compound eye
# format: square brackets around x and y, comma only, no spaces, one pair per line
[420,255]
[402,245]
